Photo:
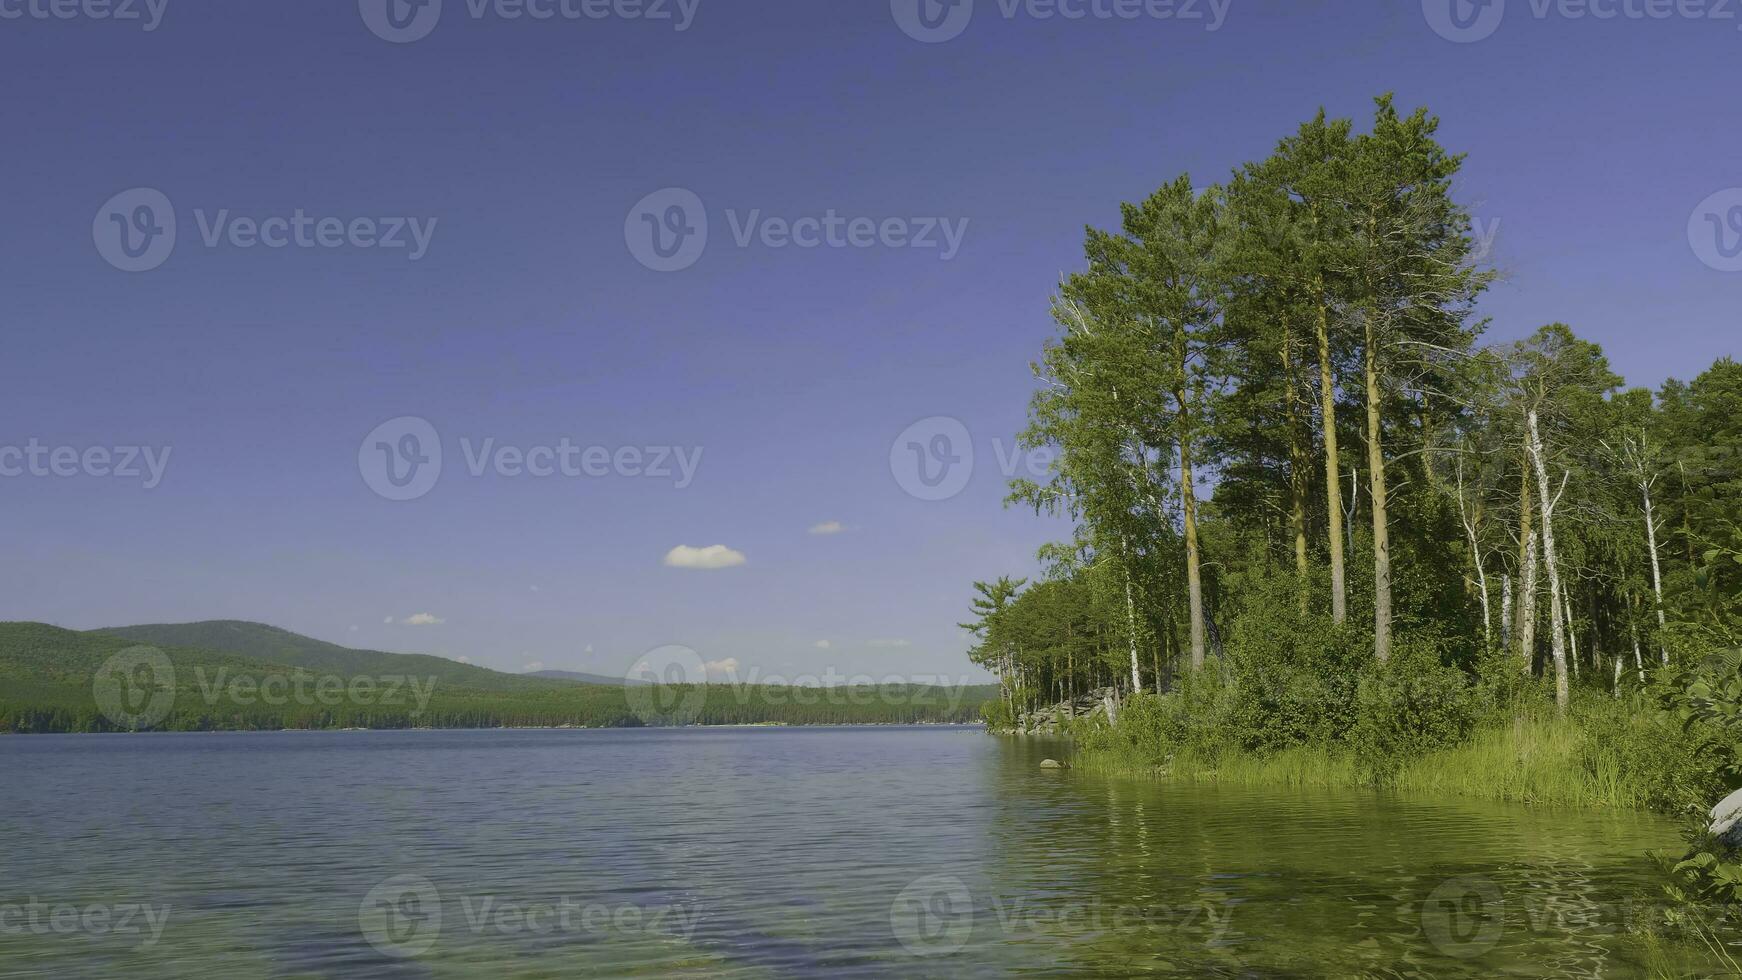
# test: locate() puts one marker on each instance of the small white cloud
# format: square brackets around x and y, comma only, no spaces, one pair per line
[353,629]
[891,644]
[420,619]
[464,660]
[534,666]
[724,667]
[709,558]
[823,644]
[388,620]
[589,649]
[828,527]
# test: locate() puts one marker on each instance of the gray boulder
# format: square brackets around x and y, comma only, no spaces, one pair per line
[1727,820]
[1051,764]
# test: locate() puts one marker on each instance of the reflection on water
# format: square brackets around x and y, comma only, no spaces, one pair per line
[767,853]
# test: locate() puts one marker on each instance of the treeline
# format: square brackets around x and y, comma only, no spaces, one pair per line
[58,680]
[72,709]
[1290,457]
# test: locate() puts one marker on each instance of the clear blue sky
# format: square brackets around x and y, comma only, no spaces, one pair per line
[529,320]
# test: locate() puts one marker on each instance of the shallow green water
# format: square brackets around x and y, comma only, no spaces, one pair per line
[769,853]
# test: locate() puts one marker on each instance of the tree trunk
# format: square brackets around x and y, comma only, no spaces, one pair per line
[1505,612]
[1381,530]
[1562,695]
[1130,617]
[1656,568]
[1527,570]
[1333,479]
[1194,579]
[1297,463]
[1189,504]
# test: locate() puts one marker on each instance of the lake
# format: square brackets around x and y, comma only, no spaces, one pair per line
[776,852]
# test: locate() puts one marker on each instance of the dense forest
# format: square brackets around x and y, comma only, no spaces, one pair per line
[255,677]
[1316,508]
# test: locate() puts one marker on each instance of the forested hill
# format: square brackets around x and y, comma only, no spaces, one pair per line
[248,676]
[259,641]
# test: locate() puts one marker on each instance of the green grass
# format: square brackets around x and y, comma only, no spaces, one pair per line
[1544,760]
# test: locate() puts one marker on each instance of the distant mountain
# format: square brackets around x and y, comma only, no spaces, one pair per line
[259,641]
[582,677]
[229,675]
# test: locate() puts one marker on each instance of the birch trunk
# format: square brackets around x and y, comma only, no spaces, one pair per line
[1381,528]
[1130,618]
[1656,568]
[1333,479]
[1562,695]
[1527,588]
[1189,504]
[1296,467]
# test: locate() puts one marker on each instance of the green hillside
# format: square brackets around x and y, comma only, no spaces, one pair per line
[247,676]
[259,641]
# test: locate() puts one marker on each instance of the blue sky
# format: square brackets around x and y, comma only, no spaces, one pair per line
[529,320]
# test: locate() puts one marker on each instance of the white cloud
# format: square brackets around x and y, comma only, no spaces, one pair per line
[822,644]
[388,620]
[534,666]
[464,660]
[890,644]
[722,667]
[709,558]
[828,527]
[353,629]
[589,649]
[420,619]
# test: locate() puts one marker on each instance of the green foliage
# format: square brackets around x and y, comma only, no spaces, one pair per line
[48,675]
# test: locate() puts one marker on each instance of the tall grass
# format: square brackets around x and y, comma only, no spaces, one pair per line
[1528,758]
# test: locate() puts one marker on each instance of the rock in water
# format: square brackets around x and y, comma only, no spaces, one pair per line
[1727,820]
[1055,764]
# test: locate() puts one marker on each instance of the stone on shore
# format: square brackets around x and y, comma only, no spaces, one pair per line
[1052,764]
[1727,820]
